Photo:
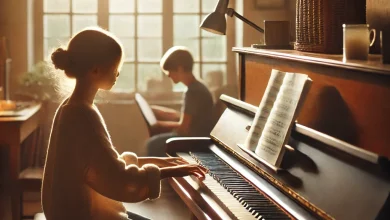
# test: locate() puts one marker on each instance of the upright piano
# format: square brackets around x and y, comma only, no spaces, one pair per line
[337,166]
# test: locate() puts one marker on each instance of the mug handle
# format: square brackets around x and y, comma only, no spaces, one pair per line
[373,39]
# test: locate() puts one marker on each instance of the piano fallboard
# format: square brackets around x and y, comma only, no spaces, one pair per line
[317,181]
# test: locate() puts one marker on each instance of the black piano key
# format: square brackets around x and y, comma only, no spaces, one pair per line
[249,197]
[247,193]
[244,189]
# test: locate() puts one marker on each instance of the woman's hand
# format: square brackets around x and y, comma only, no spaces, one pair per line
[184,170]
[171,161]
[162,161]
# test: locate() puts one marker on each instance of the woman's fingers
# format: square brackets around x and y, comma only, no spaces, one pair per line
[177,160]
[204,169]
[181,160]
[200,176]
[200,172]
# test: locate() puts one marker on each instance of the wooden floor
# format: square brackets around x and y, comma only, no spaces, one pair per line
[169,206]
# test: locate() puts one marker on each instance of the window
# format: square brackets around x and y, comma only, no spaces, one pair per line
[146,28]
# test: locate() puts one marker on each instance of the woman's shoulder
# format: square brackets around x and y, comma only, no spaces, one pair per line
[78,111]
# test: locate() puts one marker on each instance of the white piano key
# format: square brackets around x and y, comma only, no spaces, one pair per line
[220,192]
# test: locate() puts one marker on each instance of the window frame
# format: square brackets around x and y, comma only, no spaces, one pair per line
[167,37]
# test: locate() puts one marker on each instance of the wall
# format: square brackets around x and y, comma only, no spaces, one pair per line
[378,13]
[3,15]
[378,17]
[13,25]
[257,16]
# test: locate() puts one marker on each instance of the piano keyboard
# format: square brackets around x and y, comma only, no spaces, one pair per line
[239,196]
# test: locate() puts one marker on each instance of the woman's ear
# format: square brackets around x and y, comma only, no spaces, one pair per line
[95,70]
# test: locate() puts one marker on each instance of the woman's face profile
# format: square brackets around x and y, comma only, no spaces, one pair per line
[108,76]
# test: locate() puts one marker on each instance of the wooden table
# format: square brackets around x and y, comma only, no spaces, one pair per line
[13,131]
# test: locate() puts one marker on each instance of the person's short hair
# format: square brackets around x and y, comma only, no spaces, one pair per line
[177,56]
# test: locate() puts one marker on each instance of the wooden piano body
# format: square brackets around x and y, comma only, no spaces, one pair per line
[334,171]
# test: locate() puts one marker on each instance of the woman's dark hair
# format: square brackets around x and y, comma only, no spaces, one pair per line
[87,49]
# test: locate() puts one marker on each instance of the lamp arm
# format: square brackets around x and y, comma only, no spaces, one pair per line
[231,12]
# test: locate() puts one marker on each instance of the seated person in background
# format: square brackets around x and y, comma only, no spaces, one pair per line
[195,118]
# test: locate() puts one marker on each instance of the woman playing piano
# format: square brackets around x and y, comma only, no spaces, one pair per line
[85,177]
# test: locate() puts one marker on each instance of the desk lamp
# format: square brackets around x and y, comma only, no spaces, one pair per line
[215,22]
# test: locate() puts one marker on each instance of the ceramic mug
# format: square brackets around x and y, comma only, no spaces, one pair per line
[357,41]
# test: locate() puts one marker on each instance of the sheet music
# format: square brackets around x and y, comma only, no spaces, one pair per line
[264,110]
[277,126]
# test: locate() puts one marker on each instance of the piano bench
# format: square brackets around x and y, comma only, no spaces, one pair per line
[39,216]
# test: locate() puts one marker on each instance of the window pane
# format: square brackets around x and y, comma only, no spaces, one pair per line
[215,70]
[82,21]
[214,49]
[120,6]
[179,87]
[126,79]
[209,5]
[196,70]
[149,49]
[186,26]
[56,25]
[122,25]
[56,5]
[150,26]
[191,44]
[208,34]
[83,6]
[180,6]
[214,79]
[150,6]
[128,45]
[147,72]
[51,44]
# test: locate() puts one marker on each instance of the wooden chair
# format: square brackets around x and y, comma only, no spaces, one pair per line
[30,178]
[147,113]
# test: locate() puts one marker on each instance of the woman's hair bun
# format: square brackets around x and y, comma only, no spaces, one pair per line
[60,59]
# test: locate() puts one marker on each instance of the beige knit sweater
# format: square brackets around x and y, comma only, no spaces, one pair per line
[85,177]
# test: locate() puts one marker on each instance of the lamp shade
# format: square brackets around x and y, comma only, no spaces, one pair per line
[215,23]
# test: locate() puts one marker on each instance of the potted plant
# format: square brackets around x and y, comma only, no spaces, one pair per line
[39,84]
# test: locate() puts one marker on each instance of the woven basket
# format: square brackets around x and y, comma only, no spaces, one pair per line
[319,23]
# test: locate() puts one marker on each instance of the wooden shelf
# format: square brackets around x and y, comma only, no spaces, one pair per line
[372,65]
